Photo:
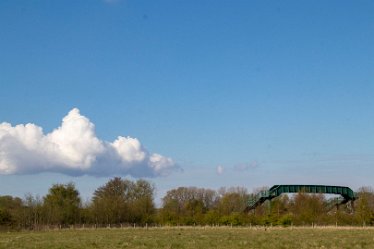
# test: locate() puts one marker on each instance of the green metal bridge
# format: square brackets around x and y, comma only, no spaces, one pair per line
[346,193]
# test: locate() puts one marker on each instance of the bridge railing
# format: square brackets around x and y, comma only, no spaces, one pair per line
[259,197]
[255,200]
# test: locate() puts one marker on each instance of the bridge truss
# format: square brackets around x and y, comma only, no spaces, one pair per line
[346,193]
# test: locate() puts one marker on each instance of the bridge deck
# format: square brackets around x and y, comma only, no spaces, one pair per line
[277,190]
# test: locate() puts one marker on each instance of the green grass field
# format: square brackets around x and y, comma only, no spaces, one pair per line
[192,238]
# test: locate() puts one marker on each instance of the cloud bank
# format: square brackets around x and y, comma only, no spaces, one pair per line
[74,149]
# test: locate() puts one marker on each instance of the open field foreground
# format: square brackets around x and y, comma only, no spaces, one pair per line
[193,238]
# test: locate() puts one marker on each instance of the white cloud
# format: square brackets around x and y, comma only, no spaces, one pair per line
[74,149]
[220,170]
[129,149]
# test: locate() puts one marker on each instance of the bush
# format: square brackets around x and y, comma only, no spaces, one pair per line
[285,220]
[5,217]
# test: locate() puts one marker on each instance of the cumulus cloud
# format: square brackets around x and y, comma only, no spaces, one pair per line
[74,149]
[220,170]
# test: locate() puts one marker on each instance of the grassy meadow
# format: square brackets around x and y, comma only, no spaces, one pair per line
[188,237]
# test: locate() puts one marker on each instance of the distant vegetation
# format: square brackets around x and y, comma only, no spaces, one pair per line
[123,202]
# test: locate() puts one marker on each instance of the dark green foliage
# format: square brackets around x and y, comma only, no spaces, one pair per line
[5,217]
[10,210]
[62,204]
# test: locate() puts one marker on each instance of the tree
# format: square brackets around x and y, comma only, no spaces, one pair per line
[109,201]
[5,217]
[308,208]
[33,211]
[365,206]
[174,204]
[121,201]
[62,204]
[10,210]
[141,205]
[232,200]
[279,213]
[188,205]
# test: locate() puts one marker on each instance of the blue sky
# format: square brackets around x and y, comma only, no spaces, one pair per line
[270,91]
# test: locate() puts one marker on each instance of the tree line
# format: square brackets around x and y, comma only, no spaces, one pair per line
[124,202]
